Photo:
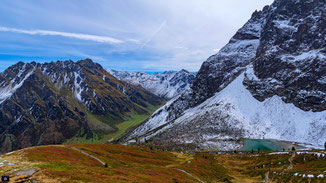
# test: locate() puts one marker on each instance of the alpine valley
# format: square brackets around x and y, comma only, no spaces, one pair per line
[254,112]
[57,102]
[268,82]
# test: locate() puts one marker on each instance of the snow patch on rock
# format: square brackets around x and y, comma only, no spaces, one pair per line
[7,91]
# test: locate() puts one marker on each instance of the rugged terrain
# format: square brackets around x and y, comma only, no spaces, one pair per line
[49,103]
[117,163]
[267,82]
[166,85]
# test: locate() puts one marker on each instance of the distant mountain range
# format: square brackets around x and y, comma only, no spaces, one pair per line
[269,81]
[51,102]
[166,85]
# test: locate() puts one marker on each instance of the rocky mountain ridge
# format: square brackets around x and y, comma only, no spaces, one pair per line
[166,85]
[48,103]
[267,82]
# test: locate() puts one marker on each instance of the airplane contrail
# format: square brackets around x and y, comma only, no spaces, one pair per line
[154,34]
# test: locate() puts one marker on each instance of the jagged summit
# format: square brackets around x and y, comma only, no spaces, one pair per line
[267,82]
[89,63]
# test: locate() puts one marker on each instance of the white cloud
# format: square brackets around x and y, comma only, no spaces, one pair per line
[88,37]
[158,35]
[201,27]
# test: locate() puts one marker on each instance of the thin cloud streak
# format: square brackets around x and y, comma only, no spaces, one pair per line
[154,34]
[87,37]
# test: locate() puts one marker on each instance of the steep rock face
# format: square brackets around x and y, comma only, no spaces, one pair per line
[49,103]
[248,89]
[291,57]
[220,69]
[166,85]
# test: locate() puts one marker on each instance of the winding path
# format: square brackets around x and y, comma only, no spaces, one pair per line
[83,152]
[291,161]
[189,175]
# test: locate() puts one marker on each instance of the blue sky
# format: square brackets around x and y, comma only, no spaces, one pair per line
[134,35]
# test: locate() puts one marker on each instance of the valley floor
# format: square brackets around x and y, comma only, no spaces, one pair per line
[121,127]
[118,163]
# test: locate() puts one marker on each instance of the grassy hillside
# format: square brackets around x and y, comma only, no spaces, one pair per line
[124,164]
[118,163]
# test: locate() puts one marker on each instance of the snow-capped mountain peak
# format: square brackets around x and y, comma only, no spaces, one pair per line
[166,85]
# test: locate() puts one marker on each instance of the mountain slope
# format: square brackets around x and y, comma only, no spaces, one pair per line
[52,102]
[267,82]
[166,85]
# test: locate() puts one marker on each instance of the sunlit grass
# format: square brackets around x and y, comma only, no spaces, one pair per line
[125,164]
